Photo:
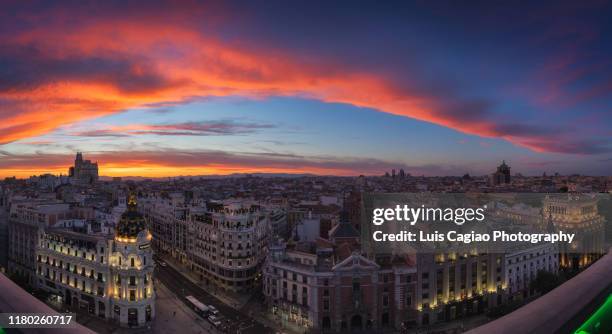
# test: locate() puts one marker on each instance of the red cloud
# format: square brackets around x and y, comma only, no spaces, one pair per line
[60,75]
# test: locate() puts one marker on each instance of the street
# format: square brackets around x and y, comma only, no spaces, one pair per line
[182,287]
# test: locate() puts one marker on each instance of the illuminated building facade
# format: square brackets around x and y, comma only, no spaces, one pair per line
[577,213]
[451,286]
[85,266]
[329,285]
[26,220]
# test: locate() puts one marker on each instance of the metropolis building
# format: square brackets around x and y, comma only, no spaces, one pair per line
[85,267]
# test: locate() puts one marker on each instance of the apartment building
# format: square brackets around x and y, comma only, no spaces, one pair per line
[229,243]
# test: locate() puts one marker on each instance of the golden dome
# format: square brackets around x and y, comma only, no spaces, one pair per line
[131,222]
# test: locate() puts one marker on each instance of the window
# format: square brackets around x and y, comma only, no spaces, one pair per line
[132,280]
[132,295]
[132,262]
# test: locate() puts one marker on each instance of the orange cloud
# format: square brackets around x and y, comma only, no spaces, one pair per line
[62,76]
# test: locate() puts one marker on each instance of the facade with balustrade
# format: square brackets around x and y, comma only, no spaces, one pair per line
[229,242]
[84,266]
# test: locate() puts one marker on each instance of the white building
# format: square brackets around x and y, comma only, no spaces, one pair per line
[229,244]
[522,267]
[87,267]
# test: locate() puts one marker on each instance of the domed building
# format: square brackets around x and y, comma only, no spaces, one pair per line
[131,222]
[109,275]
[133,298]
[501,175]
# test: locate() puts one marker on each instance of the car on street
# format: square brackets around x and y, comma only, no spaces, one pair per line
[214,320]
[213,310]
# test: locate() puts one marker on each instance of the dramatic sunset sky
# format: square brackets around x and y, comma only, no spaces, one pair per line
[344,88]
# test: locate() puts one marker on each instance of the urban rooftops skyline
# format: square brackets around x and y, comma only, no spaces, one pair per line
[85,171]
[211,166]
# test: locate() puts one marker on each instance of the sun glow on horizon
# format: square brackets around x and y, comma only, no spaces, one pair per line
[161,171]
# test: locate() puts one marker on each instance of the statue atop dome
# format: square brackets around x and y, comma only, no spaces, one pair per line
[132,201]
[131,222]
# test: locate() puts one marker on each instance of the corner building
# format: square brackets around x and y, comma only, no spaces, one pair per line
[110,277]
[230,244]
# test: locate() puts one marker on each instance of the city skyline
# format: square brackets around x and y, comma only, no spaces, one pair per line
[329,89]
